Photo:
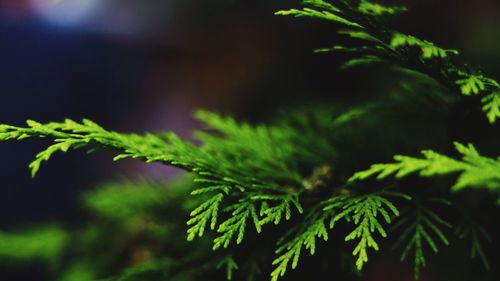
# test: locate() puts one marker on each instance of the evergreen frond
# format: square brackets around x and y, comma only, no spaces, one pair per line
[477,235]
[491,105]
[73,135]
[236,224]
[322,10]
[364,212]
[207,212]
[290,176]
[281,208]
[428,49]
[371,8]
[383,43]
[361,35]
[230,265]
[475,170]
[304,236]
[364,60]
[422,227]
[222,164]
[271,147]
[273,209]
[472,84]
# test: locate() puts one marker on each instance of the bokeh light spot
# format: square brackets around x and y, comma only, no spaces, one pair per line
[67,12]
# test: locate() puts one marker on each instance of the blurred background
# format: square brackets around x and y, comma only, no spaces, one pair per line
[141,66]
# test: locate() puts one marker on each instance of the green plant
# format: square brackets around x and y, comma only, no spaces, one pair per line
[296,180]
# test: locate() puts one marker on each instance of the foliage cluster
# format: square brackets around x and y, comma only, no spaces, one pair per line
[290,183]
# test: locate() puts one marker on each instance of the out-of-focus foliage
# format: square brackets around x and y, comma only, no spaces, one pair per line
[121,201]
[135,231]
[42,243]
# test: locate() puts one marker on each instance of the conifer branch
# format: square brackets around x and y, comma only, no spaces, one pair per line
[268,181]
[477,235]
[236,224]
[206,212]
[69,134]
[259,176]
[304,236]
[230,264]
[380,43]
[424,226]
[475,170]
[363,211]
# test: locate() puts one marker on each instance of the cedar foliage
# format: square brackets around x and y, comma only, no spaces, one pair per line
[291,184]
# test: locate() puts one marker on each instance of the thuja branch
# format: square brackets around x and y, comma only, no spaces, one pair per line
[67,135]
[379,43]
[474,169]
[248,189]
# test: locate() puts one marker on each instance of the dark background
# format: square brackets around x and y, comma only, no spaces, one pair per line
[146,65]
